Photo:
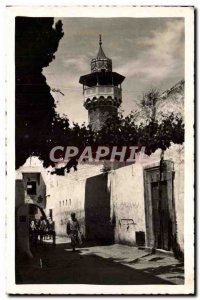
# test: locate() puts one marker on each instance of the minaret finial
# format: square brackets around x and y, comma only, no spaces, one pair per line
[100,42]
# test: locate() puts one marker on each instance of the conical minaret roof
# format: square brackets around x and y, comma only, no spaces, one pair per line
[101,63]
[101,54]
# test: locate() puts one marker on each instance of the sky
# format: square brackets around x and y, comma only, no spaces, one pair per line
[149,52]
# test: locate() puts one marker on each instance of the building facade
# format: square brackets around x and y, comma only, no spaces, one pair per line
[140,205]
[30,201]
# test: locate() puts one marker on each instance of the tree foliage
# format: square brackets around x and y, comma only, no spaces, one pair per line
[120,131]
[153,134]
[149,101]
[36,41]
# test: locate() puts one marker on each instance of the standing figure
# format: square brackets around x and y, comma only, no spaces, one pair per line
[51,229]
[43,229]
[73,230]
[32,230]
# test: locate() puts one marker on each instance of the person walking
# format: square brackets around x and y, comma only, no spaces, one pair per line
[73,230]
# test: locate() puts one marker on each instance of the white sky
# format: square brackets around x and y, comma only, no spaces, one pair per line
[148,52]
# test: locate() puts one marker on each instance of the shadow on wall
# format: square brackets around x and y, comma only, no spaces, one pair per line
[98,225]
[19,192]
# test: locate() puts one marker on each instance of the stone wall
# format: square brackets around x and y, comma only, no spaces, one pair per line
[99,115]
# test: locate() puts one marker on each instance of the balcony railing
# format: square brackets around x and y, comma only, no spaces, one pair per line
[105,91]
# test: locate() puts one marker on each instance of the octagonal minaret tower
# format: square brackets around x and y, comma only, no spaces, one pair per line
[101,89]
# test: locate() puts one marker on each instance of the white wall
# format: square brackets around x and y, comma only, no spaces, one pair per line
[127,196]
[67,194]
[127,192]
[176,154]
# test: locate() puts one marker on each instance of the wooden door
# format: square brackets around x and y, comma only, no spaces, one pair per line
[162,225]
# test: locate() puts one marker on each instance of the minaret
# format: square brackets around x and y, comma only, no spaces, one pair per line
[101,89]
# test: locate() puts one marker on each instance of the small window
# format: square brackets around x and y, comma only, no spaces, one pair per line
[69,201]
[60,203]
[63,202]
[31,188]
[66,201]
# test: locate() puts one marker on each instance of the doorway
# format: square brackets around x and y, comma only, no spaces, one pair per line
[98,226]
[161,217]
[159,206]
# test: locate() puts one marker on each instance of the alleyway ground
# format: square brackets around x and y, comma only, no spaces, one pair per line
[113,264]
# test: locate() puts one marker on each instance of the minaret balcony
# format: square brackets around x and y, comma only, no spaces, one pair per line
[102,91]
[99,96]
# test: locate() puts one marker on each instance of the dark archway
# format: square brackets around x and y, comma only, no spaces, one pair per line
[24,214]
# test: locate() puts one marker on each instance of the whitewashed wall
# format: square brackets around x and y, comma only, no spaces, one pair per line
[127,196]
[67,194]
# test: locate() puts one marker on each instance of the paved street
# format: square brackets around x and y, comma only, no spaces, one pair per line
[113,264]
